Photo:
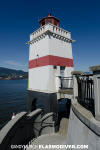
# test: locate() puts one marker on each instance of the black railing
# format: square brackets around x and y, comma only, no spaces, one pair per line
[66,82]
[85,92]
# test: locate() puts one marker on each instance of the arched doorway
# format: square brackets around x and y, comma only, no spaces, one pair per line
[63,108]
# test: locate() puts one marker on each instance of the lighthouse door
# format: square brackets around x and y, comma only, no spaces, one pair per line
[62,69]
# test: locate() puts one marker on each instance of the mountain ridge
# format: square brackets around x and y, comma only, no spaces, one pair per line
[11,72]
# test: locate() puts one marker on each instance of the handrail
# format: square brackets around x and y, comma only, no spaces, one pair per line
[65,77]
[51,25]
[66,82]
[85,92]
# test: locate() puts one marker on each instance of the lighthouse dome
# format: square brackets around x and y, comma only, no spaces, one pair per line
[49,19]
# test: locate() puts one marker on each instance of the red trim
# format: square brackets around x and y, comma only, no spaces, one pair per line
[50,60]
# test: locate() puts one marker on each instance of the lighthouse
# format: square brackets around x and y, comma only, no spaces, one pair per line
[50,59]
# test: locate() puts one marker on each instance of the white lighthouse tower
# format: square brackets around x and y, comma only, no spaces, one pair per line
[50,57]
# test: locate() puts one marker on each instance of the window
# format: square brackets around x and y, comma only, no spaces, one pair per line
[62,67]
[43,23]
[55,22]
[48,21]
[54,67]
[62,70]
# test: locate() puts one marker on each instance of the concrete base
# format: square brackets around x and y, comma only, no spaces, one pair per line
[82,129]
[45,101]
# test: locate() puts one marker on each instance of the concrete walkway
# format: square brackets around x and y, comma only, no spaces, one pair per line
[55,139]
[63,126]
[47,140]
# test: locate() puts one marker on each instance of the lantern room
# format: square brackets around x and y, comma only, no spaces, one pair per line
[49,19]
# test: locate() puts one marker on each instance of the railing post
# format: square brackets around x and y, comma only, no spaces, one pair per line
[96,79]
[75,84]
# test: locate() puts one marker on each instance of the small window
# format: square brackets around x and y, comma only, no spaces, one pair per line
[48,21]
[62,67]
[43,23]
[54,67]
[55,22]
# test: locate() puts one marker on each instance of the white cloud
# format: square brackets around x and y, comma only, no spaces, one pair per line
[15,65]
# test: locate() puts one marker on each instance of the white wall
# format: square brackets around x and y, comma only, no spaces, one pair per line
[40,47]
[68,71]
[60,48]
[80,134]
[50,46]
[42,79]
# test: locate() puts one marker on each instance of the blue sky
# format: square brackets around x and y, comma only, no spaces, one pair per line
[18,18]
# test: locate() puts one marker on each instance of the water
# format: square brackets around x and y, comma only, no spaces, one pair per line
[13,95]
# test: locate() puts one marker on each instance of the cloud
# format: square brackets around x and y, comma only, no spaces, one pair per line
[14,63]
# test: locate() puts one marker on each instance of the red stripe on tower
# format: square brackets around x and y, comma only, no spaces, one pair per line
[50,60]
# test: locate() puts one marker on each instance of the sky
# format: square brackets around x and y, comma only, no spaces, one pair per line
[19,18]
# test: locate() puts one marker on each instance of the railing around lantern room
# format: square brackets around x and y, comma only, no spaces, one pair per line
[53,29]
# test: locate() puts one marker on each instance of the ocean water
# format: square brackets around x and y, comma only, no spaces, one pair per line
[13,95]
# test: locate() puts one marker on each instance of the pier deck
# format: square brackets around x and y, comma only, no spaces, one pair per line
[58,138]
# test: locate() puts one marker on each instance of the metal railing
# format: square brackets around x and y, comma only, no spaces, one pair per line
[85,92]
[66,82]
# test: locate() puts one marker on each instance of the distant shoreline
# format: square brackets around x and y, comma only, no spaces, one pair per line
[15,79]
[12,74]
